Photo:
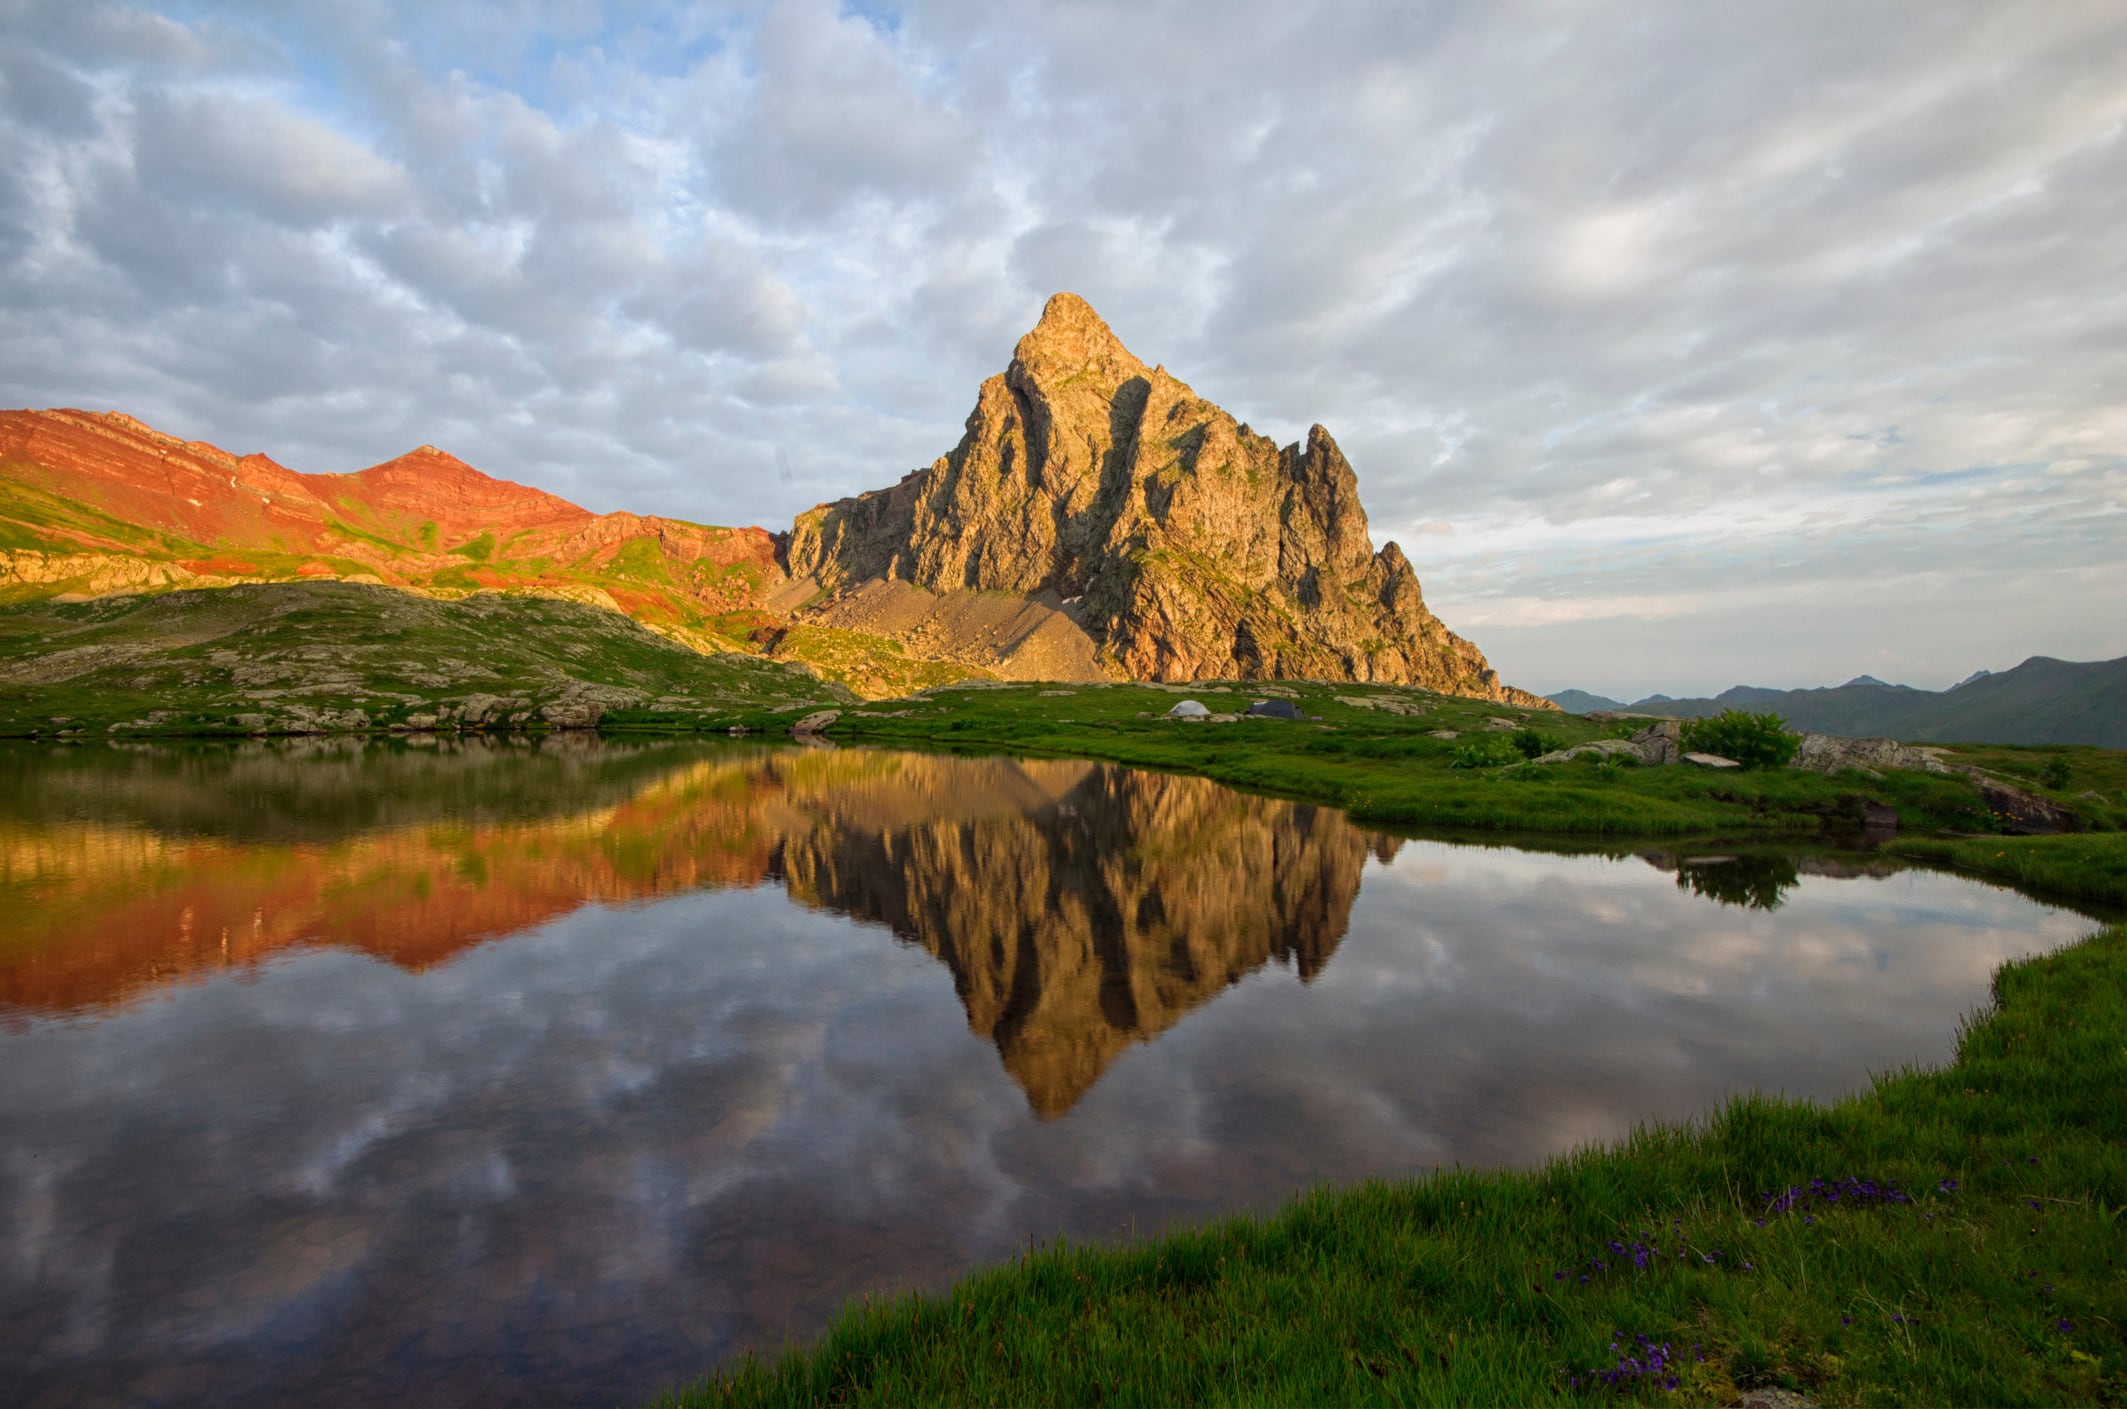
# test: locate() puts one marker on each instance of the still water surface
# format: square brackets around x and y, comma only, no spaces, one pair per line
[352,1074]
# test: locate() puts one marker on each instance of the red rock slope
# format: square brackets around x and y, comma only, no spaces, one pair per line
[101,502]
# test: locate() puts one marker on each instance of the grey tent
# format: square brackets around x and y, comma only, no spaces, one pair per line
[1188,709]
[1275,709]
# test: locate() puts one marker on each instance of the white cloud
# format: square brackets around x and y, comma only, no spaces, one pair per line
[1673,312]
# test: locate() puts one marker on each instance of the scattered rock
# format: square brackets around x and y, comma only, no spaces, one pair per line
[1659,742]
[1709,760]
[1770,1397]
[1444,734]
[1493,721]
[1056,694]
[1828,753]
[816,721]
[578,713]
[2025,814]
[1385,703]
[1605,748]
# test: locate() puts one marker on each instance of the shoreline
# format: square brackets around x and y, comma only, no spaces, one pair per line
[1876,1248]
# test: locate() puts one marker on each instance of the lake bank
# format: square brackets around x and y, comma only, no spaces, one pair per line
[1408,758]
[564,1068]
[1949,1236]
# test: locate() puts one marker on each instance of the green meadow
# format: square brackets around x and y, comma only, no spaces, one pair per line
[1948,1236]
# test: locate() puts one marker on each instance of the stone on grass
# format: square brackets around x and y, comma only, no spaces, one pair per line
[1828,753]
[1710,760]
[1658,742]
[1601,748]
[816,721]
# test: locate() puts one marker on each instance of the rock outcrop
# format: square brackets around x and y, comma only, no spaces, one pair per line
[1828,753]
[1180,542]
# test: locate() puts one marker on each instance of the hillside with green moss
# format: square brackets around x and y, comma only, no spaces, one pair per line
[306,657]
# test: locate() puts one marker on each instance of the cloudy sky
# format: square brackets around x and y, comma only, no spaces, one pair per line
[1680,345]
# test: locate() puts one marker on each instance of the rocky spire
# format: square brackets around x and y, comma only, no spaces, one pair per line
[1190,546]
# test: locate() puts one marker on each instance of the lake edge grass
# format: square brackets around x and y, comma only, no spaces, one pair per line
[1966,1248]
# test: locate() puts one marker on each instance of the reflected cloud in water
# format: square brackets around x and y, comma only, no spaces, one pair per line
[553,1079]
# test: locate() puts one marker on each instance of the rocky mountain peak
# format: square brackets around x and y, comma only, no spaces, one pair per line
[1179,543]
[1071,339]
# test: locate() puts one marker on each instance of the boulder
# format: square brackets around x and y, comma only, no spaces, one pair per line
[1709,760]
[575,712]
[816,721]
[2025,814]
[1659,742]
[1601,748]
[1828,753]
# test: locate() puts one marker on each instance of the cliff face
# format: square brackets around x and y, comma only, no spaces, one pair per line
[1182,543]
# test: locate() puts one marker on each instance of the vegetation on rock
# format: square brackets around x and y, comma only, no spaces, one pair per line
[1753,740]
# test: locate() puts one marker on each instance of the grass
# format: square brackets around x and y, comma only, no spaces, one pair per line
[1963,1247]
[2079,867]
[1388,768]
[311,657]
[1952,1235]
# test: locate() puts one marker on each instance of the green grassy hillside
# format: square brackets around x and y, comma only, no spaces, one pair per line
[298,657]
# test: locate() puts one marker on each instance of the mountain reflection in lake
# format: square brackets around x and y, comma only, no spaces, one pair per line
[349,1073]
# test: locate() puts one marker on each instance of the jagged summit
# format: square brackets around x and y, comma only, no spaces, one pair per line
[1178,542]
[1071,337]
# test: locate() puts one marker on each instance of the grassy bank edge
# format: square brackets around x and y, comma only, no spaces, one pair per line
[2001,1282]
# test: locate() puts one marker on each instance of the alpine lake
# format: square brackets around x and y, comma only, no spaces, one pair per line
[338,1072]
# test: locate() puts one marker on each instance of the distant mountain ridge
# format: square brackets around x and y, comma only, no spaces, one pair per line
[2042,701]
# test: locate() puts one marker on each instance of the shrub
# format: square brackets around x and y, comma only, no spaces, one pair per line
[1753,740]
[2056,774]
[1534,745]
[1488,752]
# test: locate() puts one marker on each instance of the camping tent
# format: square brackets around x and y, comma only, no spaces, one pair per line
[1275,709]
[1188,709]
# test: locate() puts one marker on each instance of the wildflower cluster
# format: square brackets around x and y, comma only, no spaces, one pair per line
[1641,1253]
[1826,1193]
[1639,1362]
